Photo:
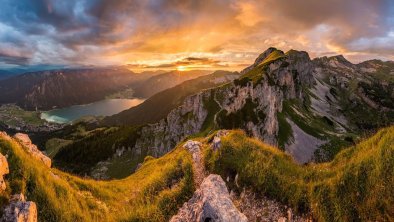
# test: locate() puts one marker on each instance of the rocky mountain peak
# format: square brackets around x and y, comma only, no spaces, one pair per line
[338,61]
[295,55]
[341,59]
[261,58]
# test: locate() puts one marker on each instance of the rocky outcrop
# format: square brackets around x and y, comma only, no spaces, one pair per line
[32,149]
[185,120]
[319,91]
[20,210]
[266,97]
[211,202]
[3,171]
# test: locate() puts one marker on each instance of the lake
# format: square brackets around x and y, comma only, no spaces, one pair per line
[105,107]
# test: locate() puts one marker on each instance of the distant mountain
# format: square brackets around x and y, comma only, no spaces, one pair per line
[159,105]
[60,88]
[166,80]
[4,74]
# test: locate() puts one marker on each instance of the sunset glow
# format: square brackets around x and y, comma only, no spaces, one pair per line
[182,68]
[149,35]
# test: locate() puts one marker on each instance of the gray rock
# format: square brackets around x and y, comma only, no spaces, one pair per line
[20,210]
[210,202]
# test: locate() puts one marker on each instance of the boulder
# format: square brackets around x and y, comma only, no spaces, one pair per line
[211,202]
[32,149]
[20,210]
[3,170]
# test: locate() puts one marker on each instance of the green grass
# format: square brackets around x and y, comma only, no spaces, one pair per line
[285,132]
[259,72]
[123,166]
[153,193]
[241,117]
[83,154]
[356,186]
[27,117]
[273,56]
[52,146]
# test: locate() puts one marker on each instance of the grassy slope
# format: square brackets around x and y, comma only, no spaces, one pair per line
[356,186]
[153,193]
[82,154]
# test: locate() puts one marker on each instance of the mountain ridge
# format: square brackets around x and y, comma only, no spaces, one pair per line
[310,108]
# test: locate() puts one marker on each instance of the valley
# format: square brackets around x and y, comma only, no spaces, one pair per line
[100,108]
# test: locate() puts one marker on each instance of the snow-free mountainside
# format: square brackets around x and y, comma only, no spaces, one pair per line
[286,139]
[308,108]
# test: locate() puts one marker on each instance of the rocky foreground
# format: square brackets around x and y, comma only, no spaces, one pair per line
[18,208]
[212,201]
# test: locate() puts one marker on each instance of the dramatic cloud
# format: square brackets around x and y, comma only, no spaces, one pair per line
[193,33]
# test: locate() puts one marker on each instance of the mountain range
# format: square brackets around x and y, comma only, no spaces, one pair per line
[45,90]
[308,108]
[314,135]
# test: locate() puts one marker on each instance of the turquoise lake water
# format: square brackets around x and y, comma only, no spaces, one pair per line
[105,107]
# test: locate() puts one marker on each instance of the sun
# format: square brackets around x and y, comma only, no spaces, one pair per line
[181,68]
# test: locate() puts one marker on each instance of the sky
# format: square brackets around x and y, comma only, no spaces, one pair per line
[189,34]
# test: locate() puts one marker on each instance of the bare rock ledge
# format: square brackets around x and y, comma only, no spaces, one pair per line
[211,202]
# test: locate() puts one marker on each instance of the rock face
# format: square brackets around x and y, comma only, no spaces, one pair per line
[32,149]
[301,90]
[223,102]
[210,203]
[20,210]
[185,120]
[3,170]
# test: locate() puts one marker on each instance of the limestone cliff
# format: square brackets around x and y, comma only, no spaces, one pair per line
[288,100]
[251,103]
